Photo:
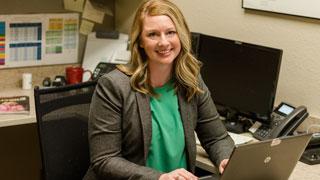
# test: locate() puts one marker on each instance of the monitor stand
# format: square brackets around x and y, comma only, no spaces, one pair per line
[234,126]
[232,122]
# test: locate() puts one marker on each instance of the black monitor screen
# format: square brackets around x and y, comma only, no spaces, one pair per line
[241,77]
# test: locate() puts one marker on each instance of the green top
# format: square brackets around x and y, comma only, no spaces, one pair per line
[167,149]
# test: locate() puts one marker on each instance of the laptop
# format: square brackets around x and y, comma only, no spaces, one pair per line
[272,159]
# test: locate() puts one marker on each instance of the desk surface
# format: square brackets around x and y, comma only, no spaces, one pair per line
[18,119]
[301,171]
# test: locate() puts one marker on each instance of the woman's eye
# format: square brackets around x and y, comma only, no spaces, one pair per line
[171,33]
[152,34]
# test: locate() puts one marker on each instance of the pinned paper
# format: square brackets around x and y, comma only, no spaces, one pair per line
[86,27]
[100,5]
[74,5]
[92,13]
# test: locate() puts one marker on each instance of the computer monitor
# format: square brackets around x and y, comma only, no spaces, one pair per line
[241,77]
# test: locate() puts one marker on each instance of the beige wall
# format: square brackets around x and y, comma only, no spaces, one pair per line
[12,78]
[299,81]
[124,14]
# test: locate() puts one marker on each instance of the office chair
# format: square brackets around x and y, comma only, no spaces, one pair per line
[62,117]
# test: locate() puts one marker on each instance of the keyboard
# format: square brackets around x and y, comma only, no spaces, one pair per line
[210,177]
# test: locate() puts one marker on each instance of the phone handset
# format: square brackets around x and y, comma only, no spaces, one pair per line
[290,122]
[284,120]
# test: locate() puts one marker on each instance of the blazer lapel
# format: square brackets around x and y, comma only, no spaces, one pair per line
[185,110]
[145,117]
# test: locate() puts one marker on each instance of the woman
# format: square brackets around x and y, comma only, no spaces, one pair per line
[144,114]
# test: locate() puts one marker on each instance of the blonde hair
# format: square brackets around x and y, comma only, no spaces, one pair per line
[186,66]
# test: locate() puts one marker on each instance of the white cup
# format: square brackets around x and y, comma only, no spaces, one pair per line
[26,81]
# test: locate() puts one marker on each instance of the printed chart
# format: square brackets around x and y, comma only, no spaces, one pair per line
[2,42]
[38,39]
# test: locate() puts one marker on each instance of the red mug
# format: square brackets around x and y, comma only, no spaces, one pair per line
[74,74]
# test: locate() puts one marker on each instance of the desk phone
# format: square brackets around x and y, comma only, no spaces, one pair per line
[102,68]
[284,120]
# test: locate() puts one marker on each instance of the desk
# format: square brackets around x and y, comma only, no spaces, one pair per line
[18,119]
[19,152]
[301,171]
[28,155]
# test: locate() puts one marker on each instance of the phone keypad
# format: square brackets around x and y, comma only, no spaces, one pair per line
[263,131]
[276,120]
[96,73]
[277,117]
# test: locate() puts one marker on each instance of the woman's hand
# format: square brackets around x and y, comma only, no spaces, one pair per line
[178,174]
[223,165]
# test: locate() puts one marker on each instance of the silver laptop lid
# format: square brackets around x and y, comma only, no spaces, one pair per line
[266,160]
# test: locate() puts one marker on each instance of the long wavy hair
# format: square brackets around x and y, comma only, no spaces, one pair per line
[186,67]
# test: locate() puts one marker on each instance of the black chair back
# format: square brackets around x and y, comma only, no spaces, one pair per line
[62,118]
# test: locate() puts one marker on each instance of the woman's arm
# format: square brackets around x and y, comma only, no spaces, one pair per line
[210,130]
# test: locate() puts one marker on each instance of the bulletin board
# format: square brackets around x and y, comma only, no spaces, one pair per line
[305,8]
[38,39]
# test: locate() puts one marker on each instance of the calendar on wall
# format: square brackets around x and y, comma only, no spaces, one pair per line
[38,39]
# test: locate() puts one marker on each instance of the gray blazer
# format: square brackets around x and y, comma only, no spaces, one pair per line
[120,130]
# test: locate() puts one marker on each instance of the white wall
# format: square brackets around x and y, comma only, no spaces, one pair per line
[299,80]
